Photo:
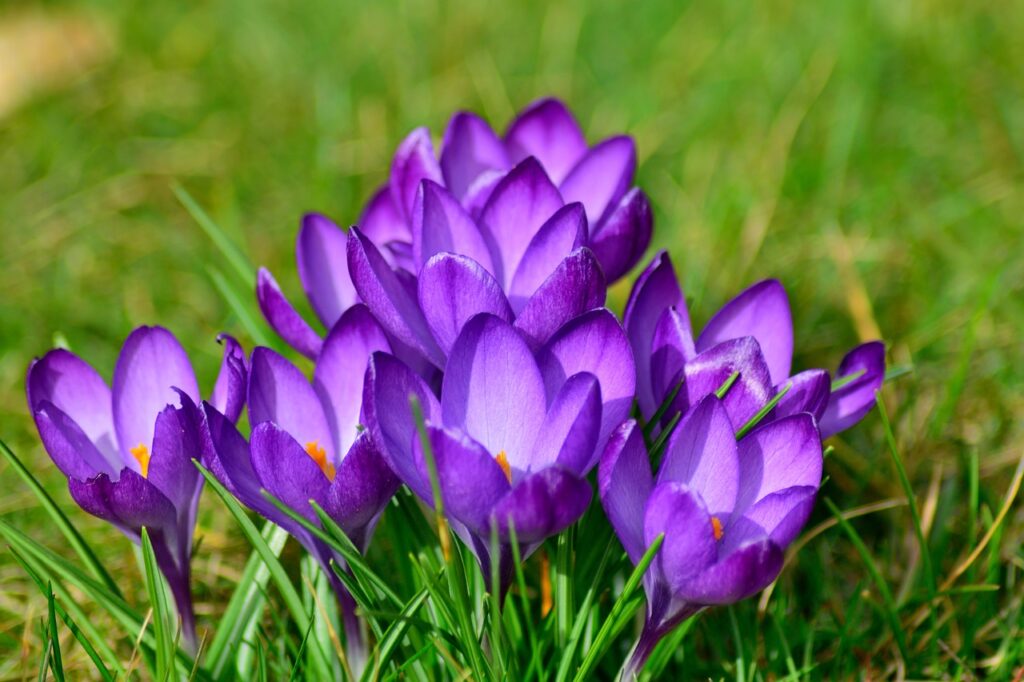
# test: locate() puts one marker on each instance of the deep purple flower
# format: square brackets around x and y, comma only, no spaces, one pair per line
[307,444]
[727,509]
[128,453]
[752,334]
[514,433]
[517,208]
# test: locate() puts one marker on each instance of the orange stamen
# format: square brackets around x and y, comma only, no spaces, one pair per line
[546,602]
[502,460]
[141,454]
[716,527]
[319,455]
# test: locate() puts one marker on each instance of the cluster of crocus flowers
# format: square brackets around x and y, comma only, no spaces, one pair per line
[127,452]
[513,209]
[469,355]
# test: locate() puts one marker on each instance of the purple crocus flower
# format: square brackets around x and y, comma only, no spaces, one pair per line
[307,444]
[516,207]
[728,509]
[752,334]
[473,161]
[128,452]
[514,433]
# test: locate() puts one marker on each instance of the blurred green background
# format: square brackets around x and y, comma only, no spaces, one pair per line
[868,154]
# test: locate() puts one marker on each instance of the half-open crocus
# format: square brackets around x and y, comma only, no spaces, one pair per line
[128,452]
[307,445]
[751,334]
[727,509]
[474,161]
[524,260]
[513,434]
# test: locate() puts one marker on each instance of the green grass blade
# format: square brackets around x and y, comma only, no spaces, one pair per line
[915,515]
[563,588]
[246,604]
[64,525]
[161,621]
[246,272]
[393,636]
[84,638]
[883,589]
[763,412]
[277,573]
[623,607]
[56,660]
[568,653]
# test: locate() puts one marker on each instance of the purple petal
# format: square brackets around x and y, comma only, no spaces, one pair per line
[601,177]
[625,482]
[388,415]
[594,342]
[340,370]
[382,221]
[323,268]
[621,239]
[414,162]
[69,447]
[808,392]
[519,205]
[74,388]
[480,192]
[177,440]
[388,298]
[452,289]
[547,131]
[470,147]
[656,290]
[230,461]
[702,454]
[287,471]
[152,364]
[778,516]
[761,311]
[439,223]
[710,369]
[849,404]
[562,234]
[280,394]
[471,480]
[129,503]
[671,349]
[569,434]
[778,455]
[689,546]
[542,504]
[740,574]
[361,490]
[493,390]
[228,394]
[283,318]
[576,286]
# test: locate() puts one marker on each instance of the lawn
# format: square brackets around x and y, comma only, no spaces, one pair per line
[870,155]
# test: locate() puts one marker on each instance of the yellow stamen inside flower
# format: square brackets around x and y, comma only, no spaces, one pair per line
[716,527]
[141,454]
[502,460]
[319,455]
